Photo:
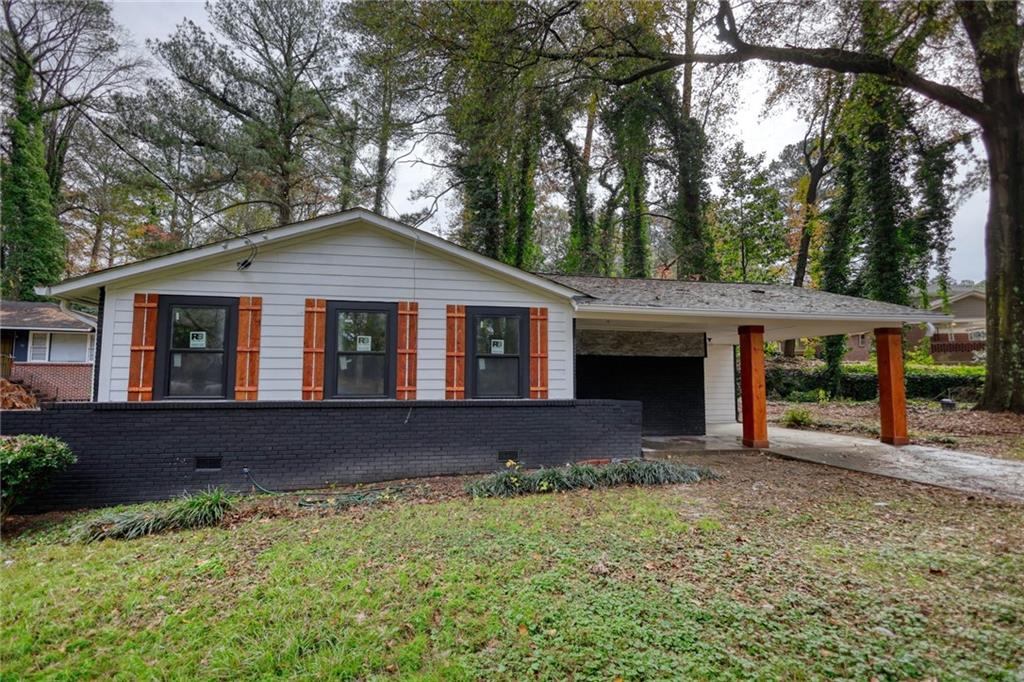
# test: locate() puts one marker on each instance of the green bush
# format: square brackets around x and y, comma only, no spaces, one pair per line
[797,418]
[513,481]
[860,382]
[26,464]
[200,510]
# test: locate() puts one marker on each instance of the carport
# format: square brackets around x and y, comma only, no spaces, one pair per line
[671,344]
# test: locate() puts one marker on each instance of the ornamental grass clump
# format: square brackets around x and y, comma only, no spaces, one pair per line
[207,508]
[513,481]
[797,418]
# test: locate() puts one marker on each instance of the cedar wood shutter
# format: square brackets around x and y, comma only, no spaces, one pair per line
[247,357]
[539,353]
[408,316]
[143,348]
[455,365]
[455,354]
[313,338]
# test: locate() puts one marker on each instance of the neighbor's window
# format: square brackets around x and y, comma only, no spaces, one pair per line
[363,348]
[66,347]
[61,347]
[977,335]
[196,347]
[38,347]
[498,339]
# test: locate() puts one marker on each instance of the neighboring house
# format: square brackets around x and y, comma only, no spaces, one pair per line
[48,348]
[957,340]
[858,347]
[353,347]
[954,340]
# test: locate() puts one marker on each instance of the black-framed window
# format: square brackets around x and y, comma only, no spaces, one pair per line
[195,350]
[498,362]
[362,348]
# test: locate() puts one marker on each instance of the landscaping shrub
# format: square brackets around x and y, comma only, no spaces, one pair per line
[514,481]
[207,508]
[202,509]
[797,418]
[860,382]
[26,464]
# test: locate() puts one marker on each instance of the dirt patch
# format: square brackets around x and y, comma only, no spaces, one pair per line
[253,505]
[984,433]
[322,502]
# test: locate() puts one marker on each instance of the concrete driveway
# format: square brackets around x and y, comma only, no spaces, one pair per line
[919,463]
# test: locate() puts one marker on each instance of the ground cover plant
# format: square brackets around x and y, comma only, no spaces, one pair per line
[796,418]
[514,481]
[777,570]
[203,509]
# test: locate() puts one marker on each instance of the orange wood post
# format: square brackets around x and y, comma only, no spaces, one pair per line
[892,397]
[752,389]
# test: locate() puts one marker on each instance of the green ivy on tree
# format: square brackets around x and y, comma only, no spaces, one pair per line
[33,242]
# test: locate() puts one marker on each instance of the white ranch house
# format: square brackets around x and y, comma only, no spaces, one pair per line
[268,307]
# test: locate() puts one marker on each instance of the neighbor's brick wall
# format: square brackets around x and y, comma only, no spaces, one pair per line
[132,452]
[56,380]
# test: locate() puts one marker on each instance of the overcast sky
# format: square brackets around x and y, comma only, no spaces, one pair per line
[146,19]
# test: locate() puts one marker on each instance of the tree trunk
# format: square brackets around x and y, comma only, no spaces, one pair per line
[688,46]
[380,180]
[1004,252]
[991,28]
[810,211]
[97,244]
[380,172]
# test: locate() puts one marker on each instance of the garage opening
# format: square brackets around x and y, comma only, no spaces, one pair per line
[664,371]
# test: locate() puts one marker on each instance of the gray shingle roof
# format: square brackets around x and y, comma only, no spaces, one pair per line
[728,297]
[33,315]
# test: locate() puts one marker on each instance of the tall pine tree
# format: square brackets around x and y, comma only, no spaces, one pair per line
[33,243]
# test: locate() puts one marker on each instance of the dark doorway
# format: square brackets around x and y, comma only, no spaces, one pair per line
[671,389]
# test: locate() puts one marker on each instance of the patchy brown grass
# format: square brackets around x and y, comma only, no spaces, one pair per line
[984,433]
[778,570]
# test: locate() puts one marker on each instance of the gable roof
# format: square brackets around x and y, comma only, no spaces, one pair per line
[715,299]
[36,316]
[85,287]
[936,304]
[672,297]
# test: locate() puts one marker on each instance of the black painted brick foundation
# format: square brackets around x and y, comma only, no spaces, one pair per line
[133,452]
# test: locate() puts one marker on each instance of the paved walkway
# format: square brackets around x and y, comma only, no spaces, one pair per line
[920,463]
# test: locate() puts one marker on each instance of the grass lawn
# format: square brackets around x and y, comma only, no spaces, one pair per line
[778,570]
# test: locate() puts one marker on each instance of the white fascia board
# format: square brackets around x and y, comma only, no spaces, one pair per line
[55,330]
[74,288]
[596,310]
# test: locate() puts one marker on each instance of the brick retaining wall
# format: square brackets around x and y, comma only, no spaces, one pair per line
[133,452]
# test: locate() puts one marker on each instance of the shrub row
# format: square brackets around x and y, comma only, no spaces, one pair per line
[514,481]
[860,382]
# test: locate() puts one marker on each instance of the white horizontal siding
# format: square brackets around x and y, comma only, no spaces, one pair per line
[351,263]
[719,385]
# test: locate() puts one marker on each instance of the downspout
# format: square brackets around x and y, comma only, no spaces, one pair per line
[99,338]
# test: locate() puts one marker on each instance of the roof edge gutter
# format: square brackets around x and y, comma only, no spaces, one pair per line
[582,311]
